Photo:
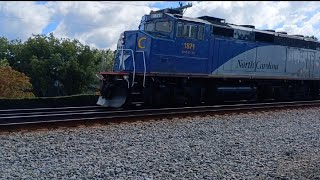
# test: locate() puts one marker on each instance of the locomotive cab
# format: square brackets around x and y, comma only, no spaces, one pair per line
[157,25]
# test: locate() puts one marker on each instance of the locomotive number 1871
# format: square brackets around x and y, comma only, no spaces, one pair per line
[190,46]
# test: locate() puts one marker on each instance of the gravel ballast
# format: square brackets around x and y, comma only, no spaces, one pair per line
[260,145]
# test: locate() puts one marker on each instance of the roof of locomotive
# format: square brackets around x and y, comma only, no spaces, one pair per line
[177,13]
[221,22]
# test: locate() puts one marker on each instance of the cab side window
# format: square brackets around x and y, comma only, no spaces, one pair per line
[190,31]
[149,27]
[186,30]
[201,33]
[179,30]
[163,26]
[193,32]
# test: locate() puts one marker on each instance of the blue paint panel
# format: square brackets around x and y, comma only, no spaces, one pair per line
[226,48]
[226,51]
[131,42]
[171,55]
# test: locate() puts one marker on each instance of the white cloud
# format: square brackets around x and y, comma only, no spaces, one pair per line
[99,23]
[22,19]
[307,27]
[260,14]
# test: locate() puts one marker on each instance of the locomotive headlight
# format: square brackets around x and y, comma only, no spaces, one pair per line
[122,38]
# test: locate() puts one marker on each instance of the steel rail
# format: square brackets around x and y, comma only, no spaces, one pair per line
[11,111]
[64,116]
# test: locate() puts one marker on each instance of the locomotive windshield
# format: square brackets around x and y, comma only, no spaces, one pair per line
[164,26]
[158,28]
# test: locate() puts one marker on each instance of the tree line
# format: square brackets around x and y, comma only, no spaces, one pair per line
[46,66]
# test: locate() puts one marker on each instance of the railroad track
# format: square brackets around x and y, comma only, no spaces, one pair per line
[25,116]
[44,117]
[8,111]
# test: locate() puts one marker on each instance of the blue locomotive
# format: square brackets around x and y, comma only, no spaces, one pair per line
[178,60]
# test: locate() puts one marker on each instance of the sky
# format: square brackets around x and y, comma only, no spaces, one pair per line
[99,23]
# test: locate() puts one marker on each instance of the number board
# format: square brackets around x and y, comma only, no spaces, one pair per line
[153,16]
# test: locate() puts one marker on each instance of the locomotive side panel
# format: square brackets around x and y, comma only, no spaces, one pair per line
[253,61]
[300,62]
[316,65]
[179,56]
[250,56]
[271,60]
[226,49]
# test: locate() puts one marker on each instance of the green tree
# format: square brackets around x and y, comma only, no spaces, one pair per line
[4,62]
[4,43]
[57,66]
[106,59]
